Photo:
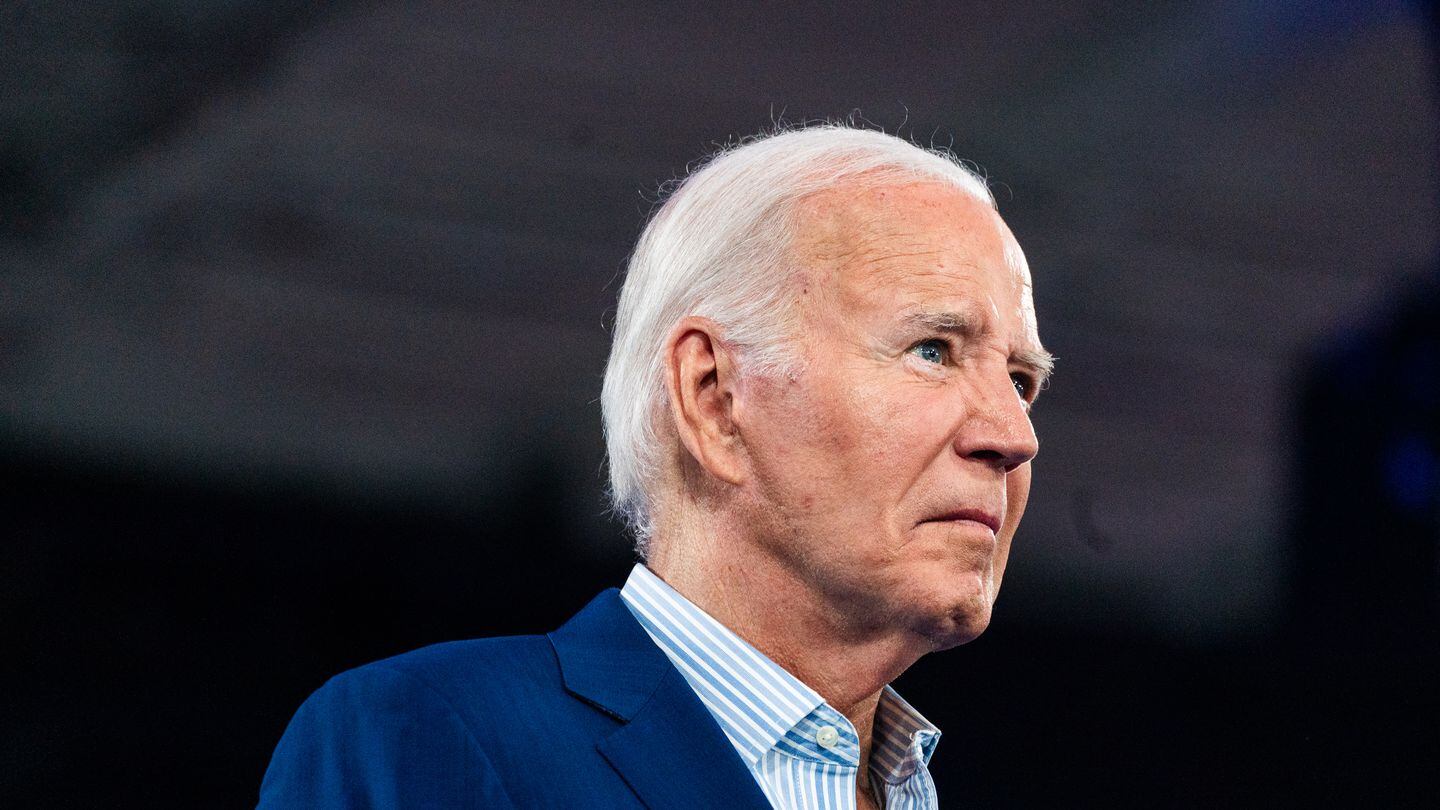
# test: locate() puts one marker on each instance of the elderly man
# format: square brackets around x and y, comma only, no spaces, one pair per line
[817,417]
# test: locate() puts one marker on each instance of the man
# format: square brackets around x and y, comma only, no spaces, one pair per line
[817,417]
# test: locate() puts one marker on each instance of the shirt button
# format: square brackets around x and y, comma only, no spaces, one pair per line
[827,736]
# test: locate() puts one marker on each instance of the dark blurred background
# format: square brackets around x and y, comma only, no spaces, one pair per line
[303,317]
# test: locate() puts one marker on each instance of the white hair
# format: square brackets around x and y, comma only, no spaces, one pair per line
[719,247]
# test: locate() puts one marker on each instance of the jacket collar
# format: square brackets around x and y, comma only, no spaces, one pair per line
[669,748]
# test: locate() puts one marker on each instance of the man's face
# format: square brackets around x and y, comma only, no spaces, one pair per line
[892,469]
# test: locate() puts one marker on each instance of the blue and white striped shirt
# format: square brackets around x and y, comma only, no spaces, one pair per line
[804,754]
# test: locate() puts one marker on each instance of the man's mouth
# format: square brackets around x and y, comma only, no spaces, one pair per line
[973,515]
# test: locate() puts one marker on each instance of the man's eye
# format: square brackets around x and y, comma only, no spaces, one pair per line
[931,351]
[1023,386]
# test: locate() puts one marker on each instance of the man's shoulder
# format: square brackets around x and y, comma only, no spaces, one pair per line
[489,676]
[455,663]
[491,715]
[483,680]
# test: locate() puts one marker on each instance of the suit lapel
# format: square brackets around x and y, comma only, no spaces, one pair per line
[669,749]
[674,755]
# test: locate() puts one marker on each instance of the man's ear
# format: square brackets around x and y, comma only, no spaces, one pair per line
[700,377]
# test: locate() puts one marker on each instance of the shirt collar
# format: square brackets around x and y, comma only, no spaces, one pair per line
[757,703]
[754,699]
[902,741]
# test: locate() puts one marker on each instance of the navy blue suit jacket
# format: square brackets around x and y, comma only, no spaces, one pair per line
[592,715]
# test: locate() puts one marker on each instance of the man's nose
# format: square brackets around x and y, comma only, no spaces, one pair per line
[997,428]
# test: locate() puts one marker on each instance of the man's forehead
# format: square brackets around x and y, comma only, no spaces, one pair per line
[932,247]
[1015,262]
[857,215]
[901,228]
[906,233]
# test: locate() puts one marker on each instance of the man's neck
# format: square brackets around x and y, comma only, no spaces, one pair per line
[778,616]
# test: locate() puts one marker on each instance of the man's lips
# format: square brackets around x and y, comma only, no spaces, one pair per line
[975,515]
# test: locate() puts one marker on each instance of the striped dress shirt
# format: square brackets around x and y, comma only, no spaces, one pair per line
[804,754]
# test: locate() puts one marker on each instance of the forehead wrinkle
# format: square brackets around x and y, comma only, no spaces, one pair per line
[894,267]
[871,256]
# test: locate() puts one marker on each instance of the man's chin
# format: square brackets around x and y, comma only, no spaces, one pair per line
[961,624]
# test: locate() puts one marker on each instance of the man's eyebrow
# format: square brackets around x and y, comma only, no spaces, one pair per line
[1037,360]
[960,323]
[964,324]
